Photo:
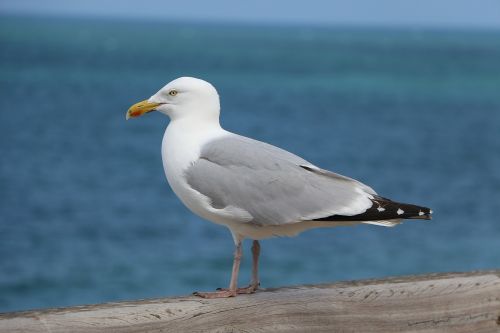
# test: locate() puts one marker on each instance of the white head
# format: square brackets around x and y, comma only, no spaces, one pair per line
[185,97]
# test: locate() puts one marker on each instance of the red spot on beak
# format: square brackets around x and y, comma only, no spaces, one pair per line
[135,114]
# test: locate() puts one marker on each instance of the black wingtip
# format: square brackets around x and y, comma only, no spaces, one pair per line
[423,214]
[385,209]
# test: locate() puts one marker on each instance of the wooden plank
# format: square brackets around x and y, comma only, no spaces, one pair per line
[453,302]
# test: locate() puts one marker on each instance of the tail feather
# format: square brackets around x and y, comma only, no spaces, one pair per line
[384,209]
[384,223]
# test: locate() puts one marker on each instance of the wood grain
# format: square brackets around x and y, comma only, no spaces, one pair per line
[452,302]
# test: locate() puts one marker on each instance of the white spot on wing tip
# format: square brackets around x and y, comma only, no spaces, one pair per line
[430,212]
[380,209]
[420,213]
[400,211]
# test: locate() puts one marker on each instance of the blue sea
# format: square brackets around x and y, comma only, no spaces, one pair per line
[86,214]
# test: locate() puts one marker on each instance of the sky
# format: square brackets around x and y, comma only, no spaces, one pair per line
[417,13]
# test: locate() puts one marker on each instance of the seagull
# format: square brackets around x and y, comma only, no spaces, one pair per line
[255,189]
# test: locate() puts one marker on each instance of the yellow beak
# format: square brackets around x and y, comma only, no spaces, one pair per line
[140,108]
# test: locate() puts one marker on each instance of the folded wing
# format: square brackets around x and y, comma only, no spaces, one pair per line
[274,186]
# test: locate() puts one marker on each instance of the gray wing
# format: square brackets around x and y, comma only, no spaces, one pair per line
[274,186]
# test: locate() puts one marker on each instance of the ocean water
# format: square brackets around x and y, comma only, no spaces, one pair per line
[86,215]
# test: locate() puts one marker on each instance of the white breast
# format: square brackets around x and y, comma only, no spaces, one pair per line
[181,147]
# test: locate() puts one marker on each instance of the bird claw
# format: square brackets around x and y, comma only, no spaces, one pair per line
[216,294]
[246,290]
[225,292]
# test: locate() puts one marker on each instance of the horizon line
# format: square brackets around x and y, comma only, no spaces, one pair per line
[257,23]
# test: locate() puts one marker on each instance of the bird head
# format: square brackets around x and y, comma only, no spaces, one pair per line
[181,98]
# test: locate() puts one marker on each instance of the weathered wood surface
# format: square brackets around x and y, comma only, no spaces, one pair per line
[455,302]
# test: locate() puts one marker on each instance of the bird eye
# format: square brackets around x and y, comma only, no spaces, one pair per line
[172,92]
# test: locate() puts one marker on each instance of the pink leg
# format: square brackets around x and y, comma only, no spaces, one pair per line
[255,265]
[233,285]
[254,283]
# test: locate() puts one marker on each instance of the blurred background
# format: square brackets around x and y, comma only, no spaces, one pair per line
[403,96]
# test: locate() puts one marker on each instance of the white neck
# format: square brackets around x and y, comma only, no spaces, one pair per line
[183,140]
[181,146]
